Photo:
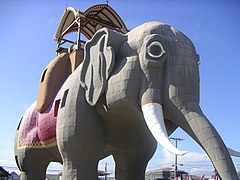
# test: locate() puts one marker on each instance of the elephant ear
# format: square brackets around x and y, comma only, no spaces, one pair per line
[98,63]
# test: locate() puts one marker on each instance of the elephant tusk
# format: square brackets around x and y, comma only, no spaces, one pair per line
[153,116]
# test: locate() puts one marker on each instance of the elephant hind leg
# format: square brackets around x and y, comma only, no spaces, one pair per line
[32,163]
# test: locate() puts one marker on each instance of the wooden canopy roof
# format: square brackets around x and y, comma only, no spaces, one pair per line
[89,21]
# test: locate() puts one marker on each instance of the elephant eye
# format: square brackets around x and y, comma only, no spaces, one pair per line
[155,49]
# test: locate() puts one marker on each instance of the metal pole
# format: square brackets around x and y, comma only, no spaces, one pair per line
[106,171]
[175,165]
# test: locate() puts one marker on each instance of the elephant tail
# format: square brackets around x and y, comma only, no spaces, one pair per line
[16,154]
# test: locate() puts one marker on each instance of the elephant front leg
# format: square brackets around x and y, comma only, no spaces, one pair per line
[80,163]
[131,163]
[80,150]
[80,139]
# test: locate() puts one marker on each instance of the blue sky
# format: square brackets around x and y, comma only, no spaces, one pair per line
[27,29]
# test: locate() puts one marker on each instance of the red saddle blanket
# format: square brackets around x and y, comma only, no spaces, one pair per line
[38,130]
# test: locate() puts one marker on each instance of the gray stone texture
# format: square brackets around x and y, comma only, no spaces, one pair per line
[101,114]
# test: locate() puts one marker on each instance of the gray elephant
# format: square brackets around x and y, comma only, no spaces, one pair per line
[130,92]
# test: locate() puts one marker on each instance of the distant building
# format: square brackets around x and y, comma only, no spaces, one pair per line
[193,177]
[14,176]
[4,174]
[102,175]
[52,176]
[164,174]
[168,174]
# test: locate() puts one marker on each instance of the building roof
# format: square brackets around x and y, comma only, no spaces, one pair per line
[3,172]
[167,170]
[90,21]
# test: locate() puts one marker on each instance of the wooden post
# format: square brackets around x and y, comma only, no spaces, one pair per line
[79,35]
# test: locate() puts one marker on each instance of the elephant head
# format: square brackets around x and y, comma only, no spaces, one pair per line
[154,68]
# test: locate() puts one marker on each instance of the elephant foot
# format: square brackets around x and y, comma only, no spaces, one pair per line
[131,163]
[32,163]
[129,168]
[79,170]
[32,175]
[35,170]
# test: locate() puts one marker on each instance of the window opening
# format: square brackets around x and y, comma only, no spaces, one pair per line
[56,107]
[43,76]
[64,98]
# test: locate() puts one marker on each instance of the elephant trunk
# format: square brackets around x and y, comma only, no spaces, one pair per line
[153,116]
[183,93]
[211,141]
[233,152]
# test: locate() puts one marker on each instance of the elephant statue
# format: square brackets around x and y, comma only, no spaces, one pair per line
[130,92]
